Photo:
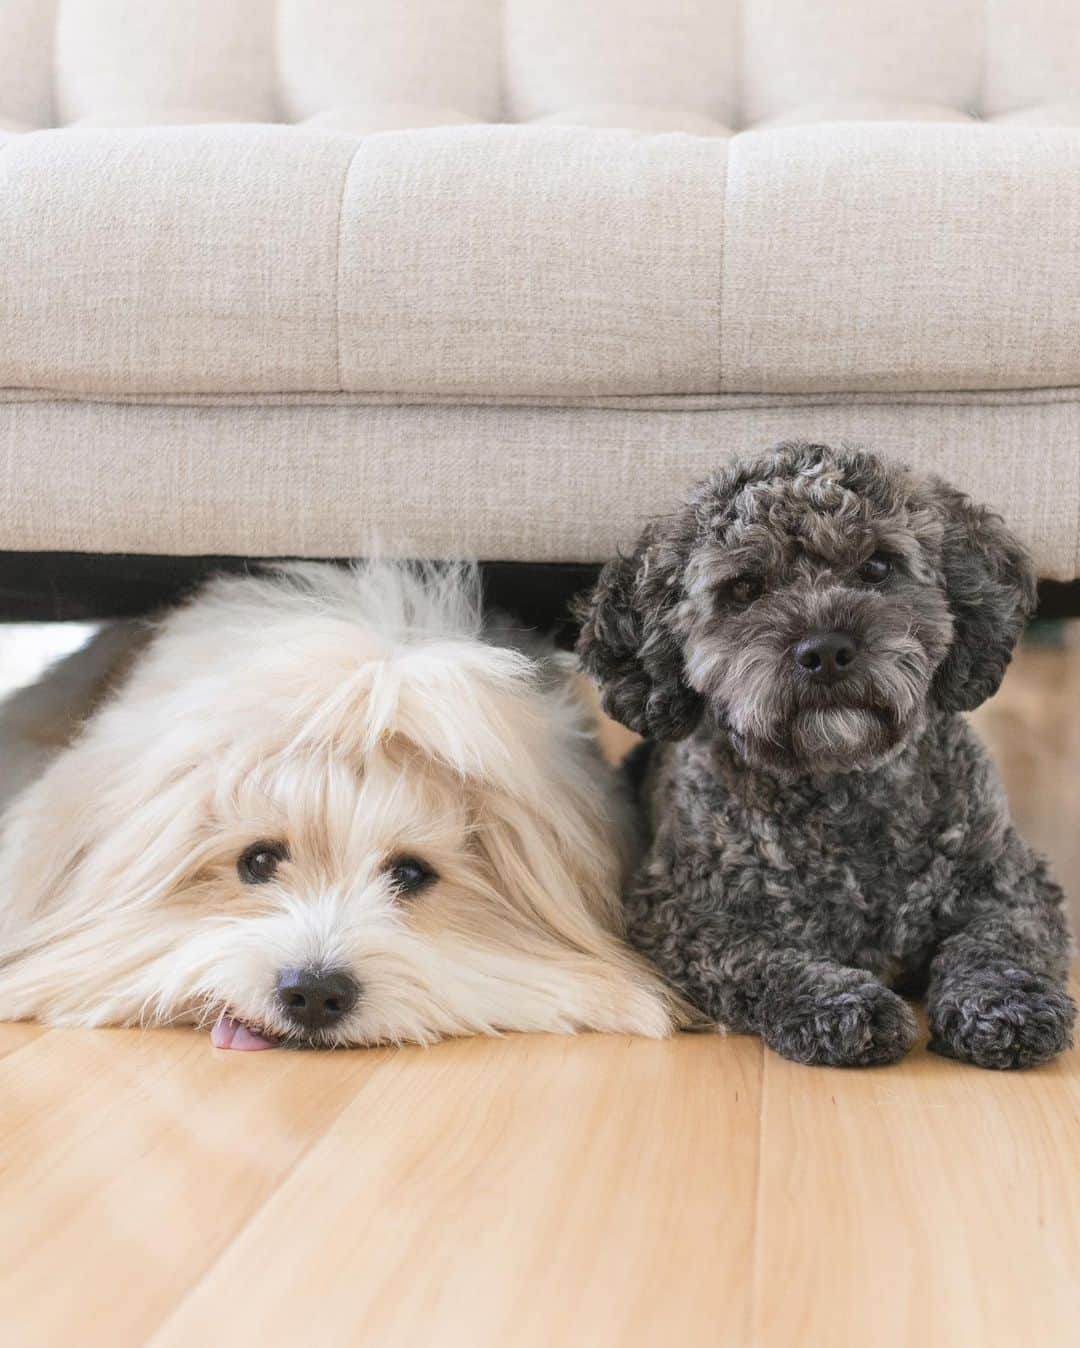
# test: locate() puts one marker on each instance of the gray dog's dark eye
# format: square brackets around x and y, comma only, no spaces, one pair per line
[409,874]
[875,569]
[259,863]
[745,589]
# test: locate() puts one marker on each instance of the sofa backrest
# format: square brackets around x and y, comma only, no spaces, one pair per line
[689,64]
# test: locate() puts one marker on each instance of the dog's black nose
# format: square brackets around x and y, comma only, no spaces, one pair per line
[316,998]
[826,656]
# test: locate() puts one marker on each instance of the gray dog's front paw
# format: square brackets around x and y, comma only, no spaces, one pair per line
[860,1024]
[1001,1018]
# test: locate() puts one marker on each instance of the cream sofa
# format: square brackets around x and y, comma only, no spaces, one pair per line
[499,277]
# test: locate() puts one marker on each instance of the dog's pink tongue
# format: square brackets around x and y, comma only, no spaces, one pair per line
[229,1033]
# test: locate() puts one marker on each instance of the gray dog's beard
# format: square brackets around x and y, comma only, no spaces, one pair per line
[790,730]
[827,740]
[796,735]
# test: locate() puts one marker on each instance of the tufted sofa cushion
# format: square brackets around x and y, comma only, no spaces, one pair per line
[733,62]
[504,261]
[538,198]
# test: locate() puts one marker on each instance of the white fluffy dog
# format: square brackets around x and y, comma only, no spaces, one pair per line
[323,807]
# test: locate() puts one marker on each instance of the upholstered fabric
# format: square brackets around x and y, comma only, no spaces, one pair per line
[883,256]
[510,261]
[187,258]
[735,62]
[503,260]
[562,484]
[230,229]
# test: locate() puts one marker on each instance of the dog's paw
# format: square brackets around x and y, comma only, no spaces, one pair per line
[1007,1018]
[861,1024]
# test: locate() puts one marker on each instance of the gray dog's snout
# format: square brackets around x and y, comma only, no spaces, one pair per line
[826,656]
[315,998]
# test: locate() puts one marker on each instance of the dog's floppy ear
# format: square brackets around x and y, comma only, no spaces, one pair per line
[627,643]
[990,588]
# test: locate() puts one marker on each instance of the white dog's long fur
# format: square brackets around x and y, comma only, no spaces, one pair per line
[353,715]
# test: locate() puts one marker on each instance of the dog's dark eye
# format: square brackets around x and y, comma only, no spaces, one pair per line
[260,861]
[745,589]
[875,569]
[409,875]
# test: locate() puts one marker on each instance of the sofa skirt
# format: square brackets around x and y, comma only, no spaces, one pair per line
[332,478]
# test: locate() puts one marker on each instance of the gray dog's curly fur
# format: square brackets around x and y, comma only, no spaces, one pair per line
[812,847]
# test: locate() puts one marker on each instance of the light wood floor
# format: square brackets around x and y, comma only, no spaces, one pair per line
[548,1192]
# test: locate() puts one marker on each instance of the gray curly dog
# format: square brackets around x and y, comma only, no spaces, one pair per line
[797,644]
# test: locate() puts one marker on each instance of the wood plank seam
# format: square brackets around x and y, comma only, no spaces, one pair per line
[316,1140]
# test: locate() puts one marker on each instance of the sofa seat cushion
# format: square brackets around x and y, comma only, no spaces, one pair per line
[556,262]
